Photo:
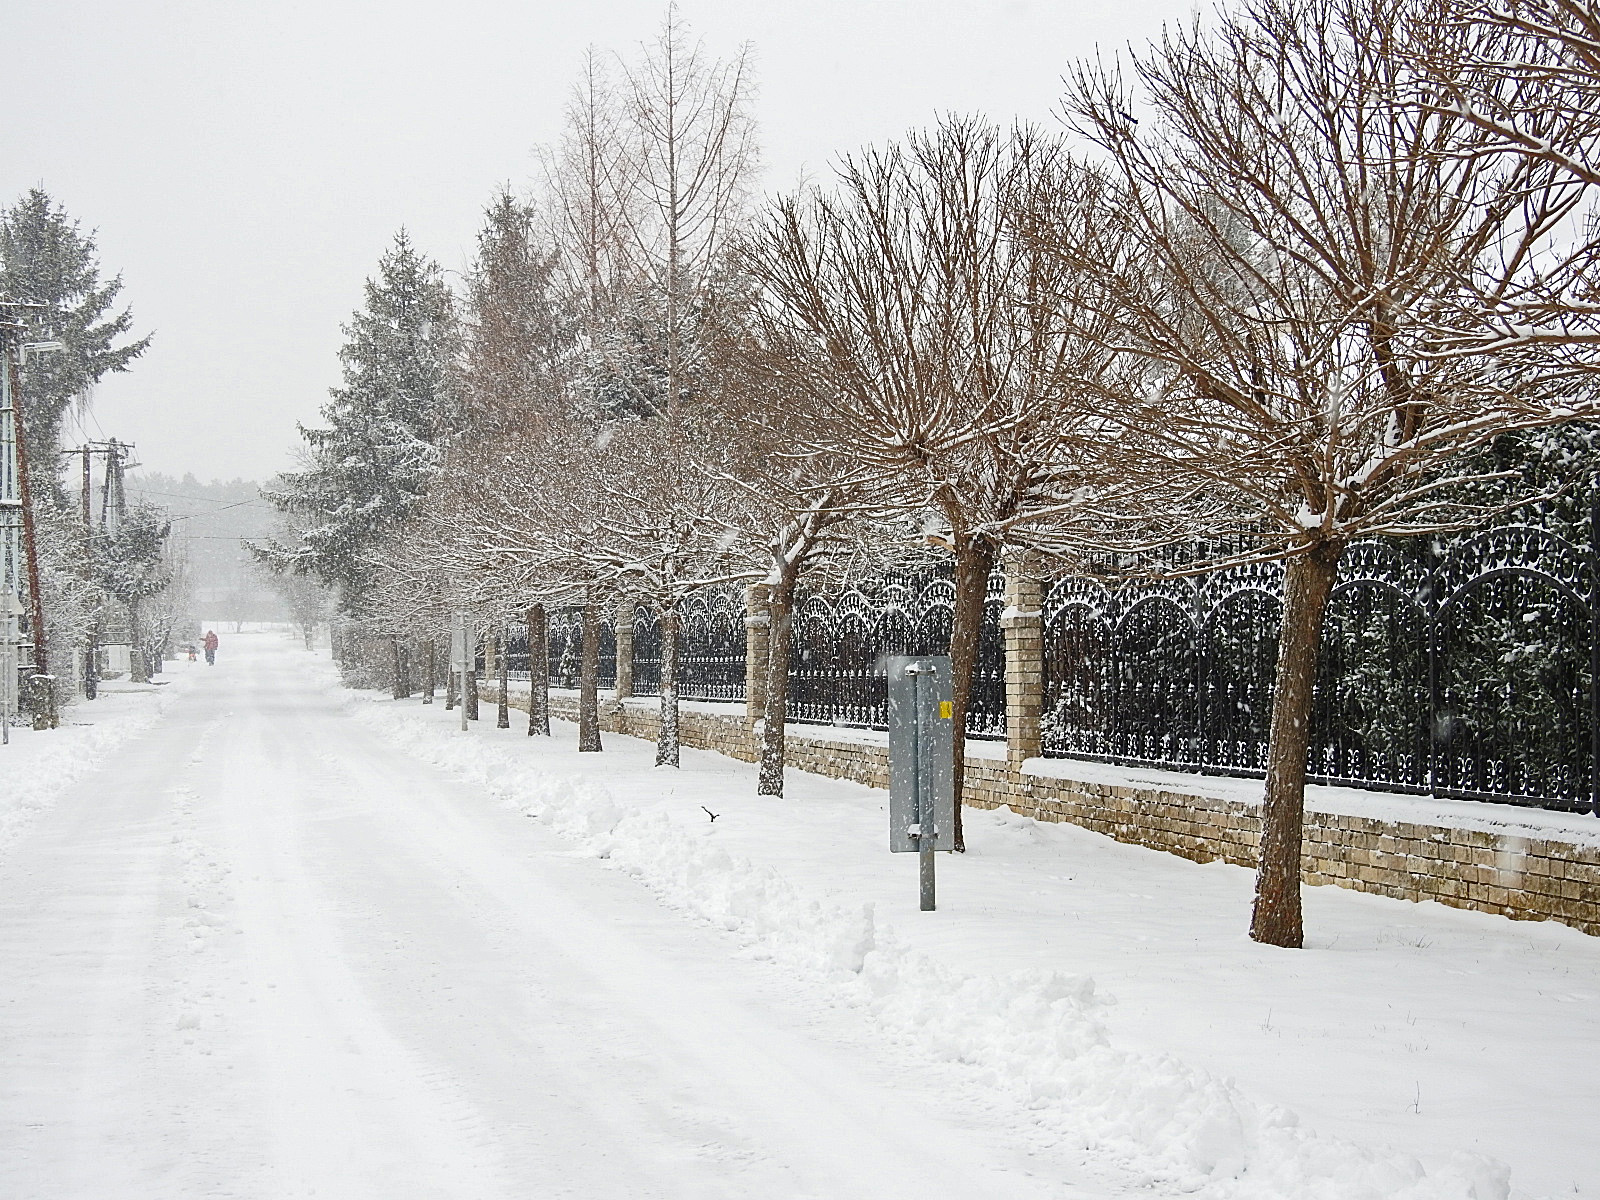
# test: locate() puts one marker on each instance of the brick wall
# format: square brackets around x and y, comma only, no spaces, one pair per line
[1523,878]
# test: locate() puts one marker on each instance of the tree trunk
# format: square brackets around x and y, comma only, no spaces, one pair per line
[974,562]
[538,673]
[502,712]
[406,686]
[1308,579]
[450,685]
[394,676]
[138,668]
[667,740]
[775,709]
[469,676]
[430,670]
[589,681]
[91,666]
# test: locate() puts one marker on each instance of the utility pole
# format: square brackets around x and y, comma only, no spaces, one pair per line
[15,350]
[11,547]
[115,454]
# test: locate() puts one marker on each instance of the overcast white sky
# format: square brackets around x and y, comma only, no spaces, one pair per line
[246,161]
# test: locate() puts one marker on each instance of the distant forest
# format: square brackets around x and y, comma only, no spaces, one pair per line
[210,522]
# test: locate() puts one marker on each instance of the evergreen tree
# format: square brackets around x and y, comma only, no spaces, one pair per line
[517,330]
[129,561]
[46,259]
[387,426]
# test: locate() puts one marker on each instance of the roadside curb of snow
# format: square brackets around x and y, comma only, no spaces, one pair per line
[68,754]
[1033,1035]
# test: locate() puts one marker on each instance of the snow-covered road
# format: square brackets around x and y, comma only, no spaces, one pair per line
[288,939]
[262,953]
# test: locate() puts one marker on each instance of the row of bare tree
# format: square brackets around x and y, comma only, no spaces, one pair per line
[1276,279]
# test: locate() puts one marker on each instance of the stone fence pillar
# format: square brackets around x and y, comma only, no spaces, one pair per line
[622,624]
[1023,625]
[757,623]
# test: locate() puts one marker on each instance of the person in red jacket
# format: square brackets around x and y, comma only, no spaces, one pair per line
[211,648]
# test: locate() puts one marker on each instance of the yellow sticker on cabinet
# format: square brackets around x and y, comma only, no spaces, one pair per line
[946,709]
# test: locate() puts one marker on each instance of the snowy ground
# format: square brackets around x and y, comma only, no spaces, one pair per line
[293,941]
[36,767]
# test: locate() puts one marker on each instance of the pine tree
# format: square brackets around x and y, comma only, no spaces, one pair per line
[517,331]
[46,259]
[129,561]
[387,426]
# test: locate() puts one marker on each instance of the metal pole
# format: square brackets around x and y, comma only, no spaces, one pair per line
[927,833]
[458,651]
[1431,631]
[1594,648]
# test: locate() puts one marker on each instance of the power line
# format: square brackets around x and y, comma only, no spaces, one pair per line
[213,512]
[143,491]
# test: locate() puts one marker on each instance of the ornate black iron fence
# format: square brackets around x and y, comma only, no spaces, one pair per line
[1465,670]
[711,652]
[517,651]
[646,652]
[565,630]
[840,639]
[711,647]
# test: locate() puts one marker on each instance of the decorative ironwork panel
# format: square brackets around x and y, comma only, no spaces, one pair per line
[606,668]
[1511,718]
[1078,712]
[1239,661]
[986,707]
[839,642]
[646,652]
[565,629]
[1154,685]
[1371,707]
[711,650]
[517,651]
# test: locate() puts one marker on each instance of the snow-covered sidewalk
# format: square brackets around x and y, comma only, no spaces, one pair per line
[1107,994]
[36,767]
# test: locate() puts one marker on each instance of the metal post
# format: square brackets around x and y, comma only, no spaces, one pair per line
[927,831]
[1431,632]
[921,764]
[1594,648]
[458,660]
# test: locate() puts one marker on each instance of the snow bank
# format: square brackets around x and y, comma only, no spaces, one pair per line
[38,766]
[1036,1037]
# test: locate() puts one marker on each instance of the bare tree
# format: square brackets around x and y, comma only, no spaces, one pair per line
[1525,74]
[691,139]
[920,336]
[1289,233]
[588,177]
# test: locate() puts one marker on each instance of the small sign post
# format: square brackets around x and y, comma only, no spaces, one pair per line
[921,763]
[458,661]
